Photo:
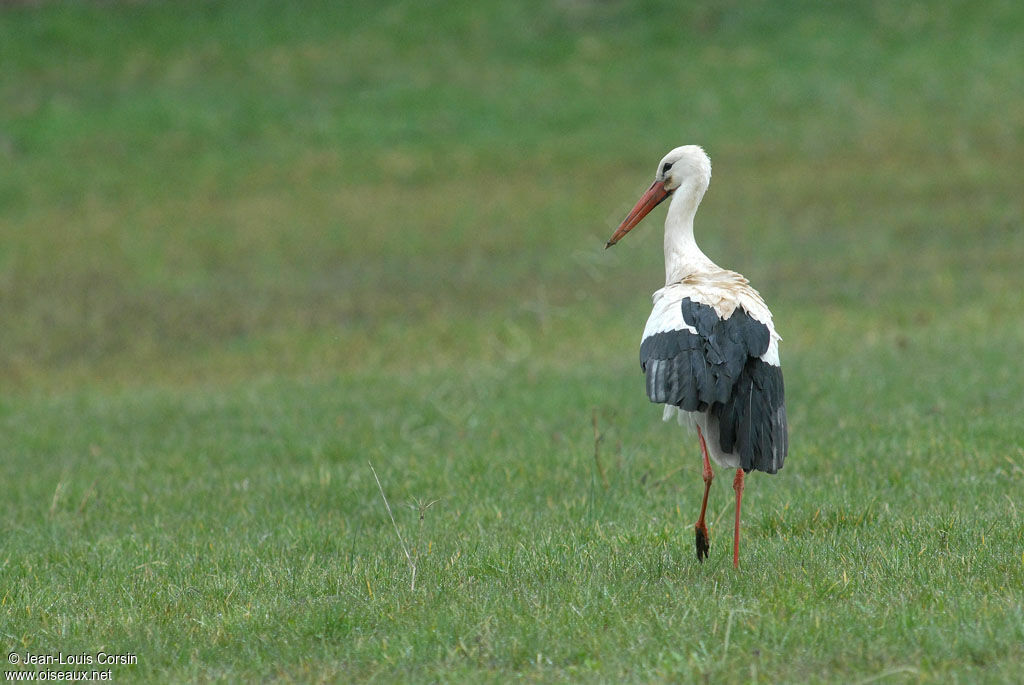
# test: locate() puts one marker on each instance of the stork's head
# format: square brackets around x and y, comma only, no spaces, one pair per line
[686,169]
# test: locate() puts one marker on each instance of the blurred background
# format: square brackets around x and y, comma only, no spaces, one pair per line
[208,191]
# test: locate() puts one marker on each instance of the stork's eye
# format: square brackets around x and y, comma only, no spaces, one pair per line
[665,168]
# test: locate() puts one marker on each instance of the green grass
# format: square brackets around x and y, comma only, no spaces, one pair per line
[246,250]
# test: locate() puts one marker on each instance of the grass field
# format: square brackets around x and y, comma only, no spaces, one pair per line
[248,250]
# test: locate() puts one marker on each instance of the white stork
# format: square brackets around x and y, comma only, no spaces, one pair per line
[709,351]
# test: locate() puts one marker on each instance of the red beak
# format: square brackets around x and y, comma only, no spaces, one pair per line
[654,196]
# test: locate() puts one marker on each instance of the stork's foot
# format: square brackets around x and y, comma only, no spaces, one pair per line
[702,541]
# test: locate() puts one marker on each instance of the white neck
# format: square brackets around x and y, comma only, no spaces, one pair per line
[682,256]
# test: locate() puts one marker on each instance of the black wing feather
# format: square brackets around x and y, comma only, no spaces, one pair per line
[718,370]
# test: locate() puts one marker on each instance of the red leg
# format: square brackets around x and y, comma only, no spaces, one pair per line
[737,485]
[701,528]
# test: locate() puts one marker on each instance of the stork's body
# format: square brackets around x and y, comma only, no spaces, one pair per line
[710,352]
